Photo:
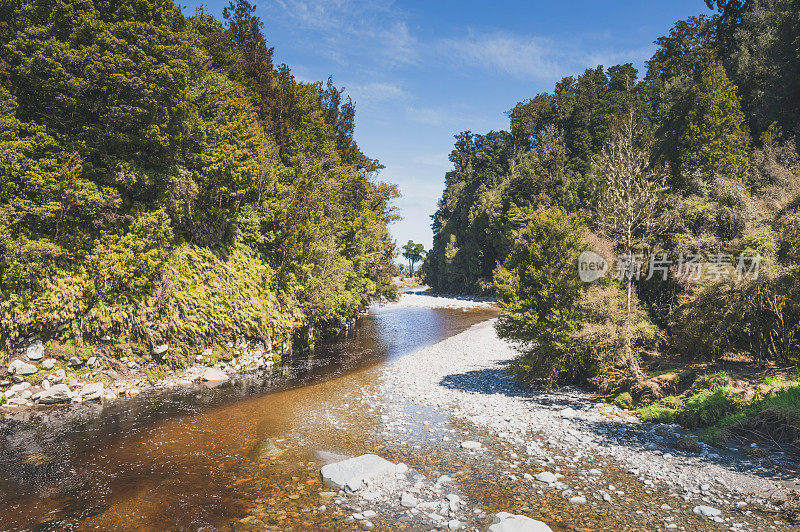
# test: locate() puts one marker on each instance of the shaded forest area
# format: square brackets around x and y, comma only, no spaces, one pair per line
[164,181]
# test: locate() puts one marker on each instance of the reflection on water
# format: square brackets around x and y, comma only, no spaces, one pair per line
[196,457]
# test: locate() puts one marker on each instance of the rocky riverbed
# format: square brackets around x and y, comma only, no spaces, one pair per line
[540,459]
[422,386]
[563,444]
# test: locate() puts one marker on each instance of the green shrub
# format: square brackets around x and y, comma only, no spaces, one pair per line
[709,381]
[538,285]
[656,413]
[624,400]
[707,407]
[156,373]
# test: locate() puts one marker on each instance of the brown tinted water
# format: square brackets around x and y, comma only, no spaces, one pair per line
[207,457]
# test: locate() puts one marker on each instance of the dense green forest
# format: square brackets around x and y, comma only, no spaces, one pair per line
[696,158]
[162,180]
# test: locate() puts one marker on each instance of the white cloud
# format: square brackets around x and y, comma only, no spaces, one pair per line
[523,57]
[534,57]
[375,26]
[374,91]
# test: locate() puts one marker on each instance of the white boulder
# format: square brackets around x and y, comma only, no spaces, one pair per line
[354,473]
[547,477]
[18,367]
[471,445]
[707,511]
[35,351]
[57,377]
[93,390]
[160,349]
[212,375]
[506,522]
[49,364]
[55,394]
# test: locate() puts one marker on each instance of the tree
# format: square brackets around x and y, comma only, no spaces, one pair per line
[413,253]
[538,285]
[713,138]
[628,204]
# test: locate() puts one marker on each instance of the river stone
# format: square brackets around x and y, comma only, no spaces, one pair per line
[577,500]
[57,377]
[17,388]
[408,501]
[706,511]
[547,477]
[35,351]
[266,448]
[471,445]
[75,362]
[353,473]
[49,364]
[18,367]
[213,375]
[93,390]
[55,394]
[506,522]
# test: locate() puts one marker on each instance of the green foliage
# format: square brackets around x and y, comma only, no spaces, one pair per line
[539,287]
[713,139]
[624,400]
[707,407]
[163,181]
[656,413]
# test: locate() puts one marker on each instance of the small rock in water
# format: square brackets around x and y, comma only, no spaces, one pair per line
[577,500]
[506,522]
[546,476]
[471,445]
[354,472]
[266,448]
[707,511]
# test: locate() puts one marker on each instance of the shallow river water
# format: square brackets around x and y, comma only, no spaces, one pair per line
[208,457]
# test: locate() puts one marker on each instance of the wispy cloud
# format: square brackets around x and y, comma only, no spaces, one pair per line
[353,24]
[518,56]
[533,57]
[374,92]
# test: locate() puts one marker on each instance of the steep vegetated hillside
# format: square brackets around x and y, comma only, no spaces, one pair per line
[695,163]
[162,180]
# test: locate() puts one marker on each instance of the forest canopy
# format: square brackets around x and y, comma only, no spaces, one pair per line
[163,180]
[698,155]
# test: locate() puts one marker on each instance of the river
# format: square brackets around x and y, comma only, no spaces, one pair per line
[411,382]
[187,458]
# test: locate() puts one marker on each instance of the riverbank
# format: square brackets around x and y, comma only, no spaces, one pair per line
[42,376]
[560,432]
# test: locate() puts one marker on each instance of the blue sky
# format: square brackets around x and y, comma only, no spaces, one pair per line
[422,71]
